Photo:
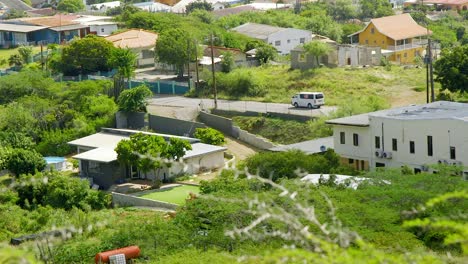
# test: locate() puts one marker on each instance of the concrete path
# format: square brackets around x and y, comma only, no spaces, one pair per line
[179,101]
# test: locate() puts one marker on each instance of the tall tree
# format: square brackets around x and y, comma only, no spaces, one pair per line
[202,5]
[452,69]
[147,151]
[70,6]
[86,55]
[134,99]
[317,49]
[174,47]
[124,61]
[375,8]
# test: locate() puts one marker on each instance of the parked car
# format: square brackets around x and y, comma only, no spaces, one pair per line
[308,99]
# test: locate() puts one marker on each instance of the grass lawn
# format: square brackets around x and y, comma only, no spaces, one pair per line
[6,53]
[176,195]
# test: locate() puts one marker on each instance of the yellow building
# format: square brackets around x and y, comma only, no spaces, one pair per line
[400,37]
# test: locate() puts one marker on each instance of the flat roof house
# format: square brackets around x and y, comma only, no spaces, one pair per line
[142,42]
[98,160]
[283,39]
[399,37]
[416,136]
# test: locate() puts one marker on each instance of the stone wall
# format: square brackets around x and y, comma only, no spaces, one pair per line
[173,126]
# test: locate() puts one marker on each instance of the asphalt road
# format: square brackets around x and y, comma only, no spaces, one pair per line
[179,101]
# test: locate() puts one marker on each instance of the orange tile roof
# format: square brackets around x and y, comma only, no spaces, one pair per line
[134,38]
[399,27]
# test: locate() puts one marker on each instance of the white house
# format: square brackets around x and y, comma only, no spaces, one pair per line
[98,159]
[283,39]
[99,25]
[416,136]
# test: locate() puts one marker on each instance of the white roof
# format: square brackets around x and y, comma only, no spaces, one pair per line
[99,23]
[99,140]
[19,28]
[432,111]
[92,18]
[153,6]
[199,149]
[104,144]
[353,181]
[268,6]
[105,155]
[207,60]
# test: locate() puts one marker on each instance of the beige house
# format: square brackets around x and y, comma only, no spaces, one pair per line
[142,42]
[415,136]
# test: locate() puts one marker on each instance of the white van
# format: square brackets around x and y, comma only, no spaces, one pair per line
[308,99]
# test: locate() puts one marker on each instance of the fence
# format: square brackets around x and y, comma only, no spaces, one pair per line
[161,87]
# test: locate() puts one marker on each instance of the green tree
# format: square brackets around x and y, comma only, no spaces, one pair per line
[203,5]
[265,53]
[86,55]
[146,152]
[15,13]
[173,47]
[70,6]
[227,62]
[452,69]
[375,8]
[317,49]
[22,161]
[134,99]
[124,60]
[210,136]
[15,60]
[342,9]
[25,52]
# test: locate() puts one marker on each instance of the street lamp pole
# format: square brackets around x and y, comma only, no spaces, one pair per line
[214,77]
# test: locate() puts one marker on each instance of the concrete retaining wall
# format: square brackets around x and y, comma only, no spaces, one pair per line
[220,123]
[121,199]
[254,140]
[286,116]
[134,120]
[173,126]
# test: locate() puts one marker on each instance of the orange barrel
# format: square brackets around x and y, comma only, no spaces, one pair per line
[129,252]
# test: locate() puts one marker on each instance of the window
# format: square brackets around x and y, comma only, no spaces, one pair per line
[102,30]
[350,161]
[355,139]
[383,41]
[411,147]
[394,144]
[302,57]
[342,138]
[429,145]
[278,43]
[372,30]
[367,41]
[289,41]
[377,142]
[302,40]
[375,41]
[453,153]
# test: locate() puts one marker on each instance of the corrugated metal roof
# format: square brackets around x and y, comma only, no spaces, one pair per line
[68,27]
[19,28]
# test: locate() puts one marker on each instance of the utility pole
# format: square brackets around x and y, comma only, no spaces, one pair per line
[431,74]
[188,63]
[42,57]
[196,64]
[214,77]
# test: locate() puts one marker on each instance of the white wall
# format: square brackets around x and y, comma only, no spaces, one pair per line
[291,34]
[103,30]
[445,133]
[348,150]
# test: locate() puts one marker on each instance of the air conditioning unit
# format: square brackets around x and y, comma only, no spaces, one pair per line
[424,168]
[442,161]
[387,155]
[379,153]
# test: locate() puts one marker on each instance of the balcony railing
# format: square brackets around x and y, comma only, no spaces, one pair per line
[405,46]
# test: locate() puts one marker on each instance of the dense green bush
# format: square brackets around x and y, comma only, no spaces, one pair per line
[210,136]
[22,161]
[134,99]
[59,191]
